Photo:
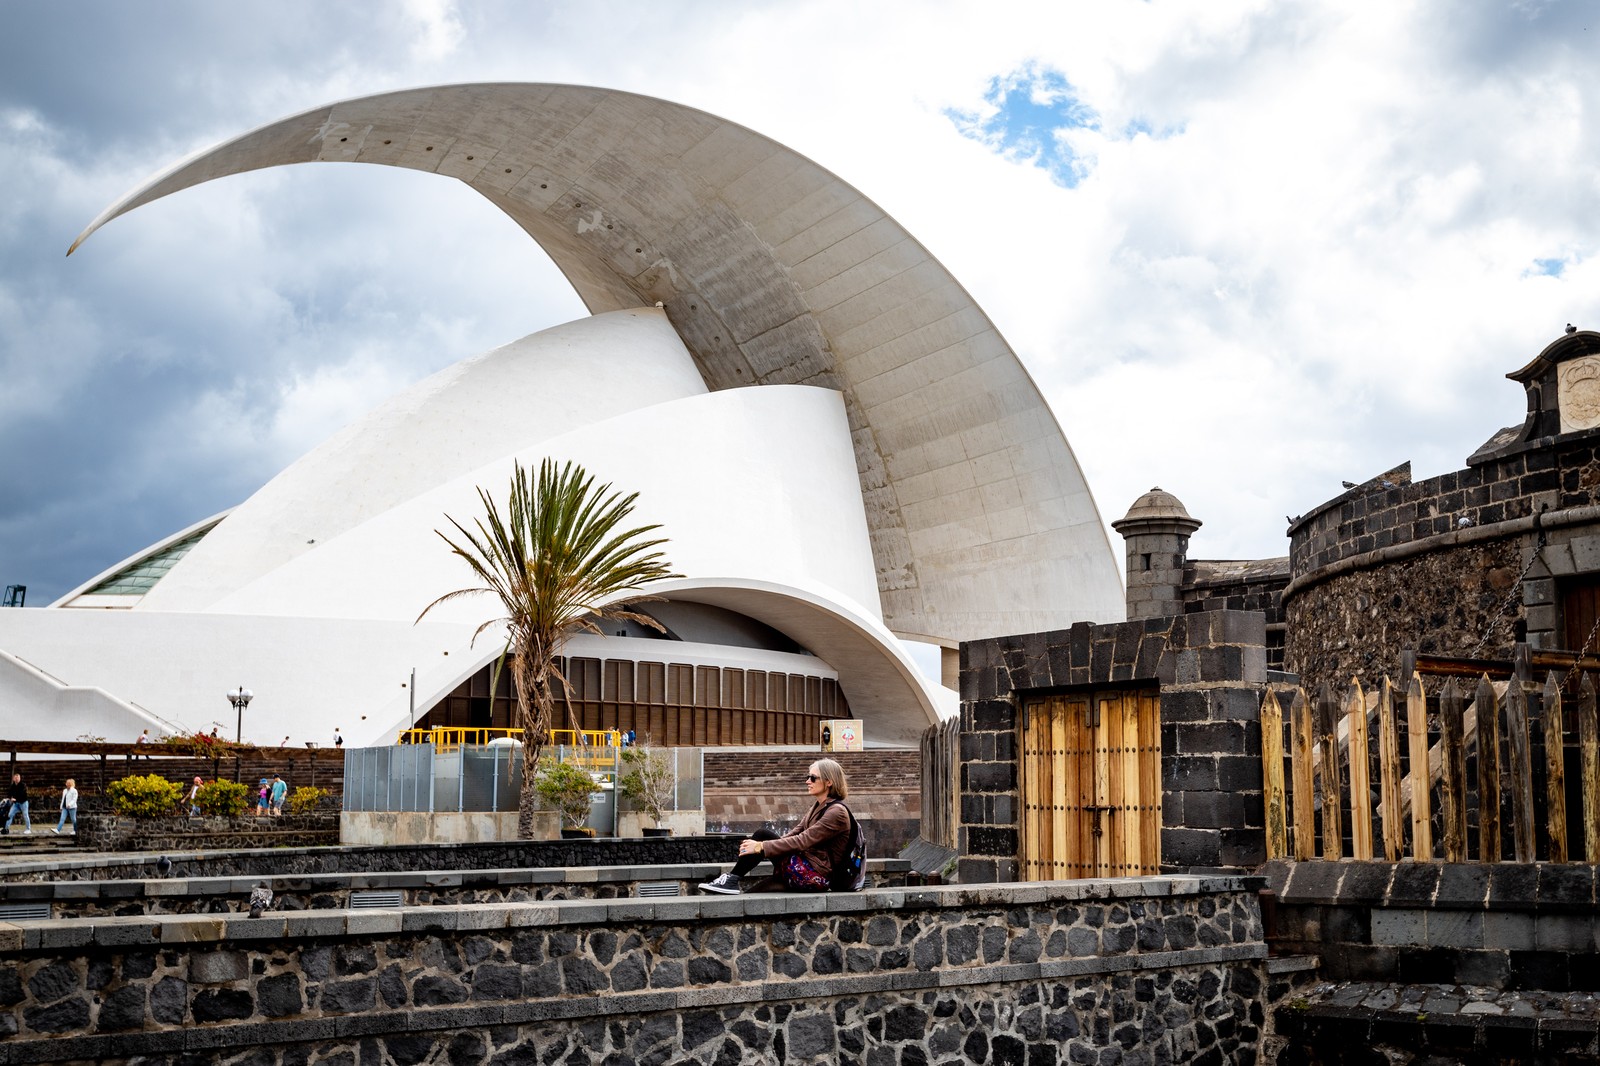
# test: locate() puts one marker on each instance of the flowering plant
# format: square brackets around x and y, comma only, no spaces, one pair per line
[204,744]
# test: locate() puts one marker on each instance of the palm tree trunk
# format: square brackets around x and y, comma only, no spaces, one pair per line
[533,720]
[535,708]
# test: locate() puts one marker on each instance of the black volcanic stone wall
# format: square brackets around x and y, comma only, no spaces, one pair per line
[1437,962]
[1511,486]
[1504,926]
[398,858]
[1209,669]
[1148,970]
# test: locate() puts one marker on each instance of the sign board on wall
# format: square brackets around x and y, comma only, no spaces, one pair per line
[842,734]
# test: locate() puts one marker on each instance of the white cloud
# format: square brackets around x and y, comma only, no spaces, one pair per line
[438,27]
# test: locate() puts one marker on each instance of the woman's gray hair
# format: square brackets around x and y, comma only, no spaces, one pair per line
[833,773]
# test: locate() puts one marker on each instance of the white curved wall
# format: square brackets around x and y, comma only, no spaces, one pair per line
[754,484]
[458,419]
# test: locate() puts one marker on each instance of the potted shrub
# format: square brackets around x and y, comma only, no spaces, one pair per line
[649,783]
[570,789]
[223,798]
[144,796]
[307,798]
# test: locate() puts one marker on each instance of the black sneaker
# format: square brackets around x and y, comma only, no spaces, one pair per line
[726,885]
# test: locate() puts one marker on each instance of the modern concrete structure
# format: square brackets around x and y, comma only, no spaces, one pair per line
[898,475]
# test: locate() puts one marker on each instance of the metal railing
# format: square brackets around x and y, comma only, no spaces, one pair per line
[449,738]
[488,777]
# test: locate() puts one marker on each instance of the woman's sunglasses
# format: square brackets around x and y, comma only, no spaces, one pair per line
[812,779]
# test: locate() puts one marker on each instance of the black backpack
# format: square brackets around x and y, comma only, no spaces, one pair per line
[850,872]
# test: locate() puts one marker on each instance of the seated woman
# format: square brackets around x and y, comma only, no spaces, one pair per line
[803,857]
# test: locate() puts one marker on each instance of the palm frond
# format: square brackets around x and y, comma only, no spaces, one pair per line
[557,556]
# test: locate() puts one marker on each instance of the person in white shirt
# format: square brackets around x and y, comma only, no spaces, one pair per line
[69,807]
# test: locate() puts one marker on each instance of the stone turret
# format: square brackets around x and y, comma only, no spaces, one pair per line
[1156,531]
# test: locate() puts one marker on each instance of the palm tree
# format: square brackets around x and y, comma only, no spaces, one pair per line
[558,559]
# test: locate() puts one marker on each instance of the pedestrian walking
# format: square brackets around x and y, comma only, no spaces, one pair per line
[69,807]
[18,794]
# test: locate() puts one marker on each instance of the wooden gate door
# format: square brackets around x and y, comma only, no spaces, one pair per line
[1091,785]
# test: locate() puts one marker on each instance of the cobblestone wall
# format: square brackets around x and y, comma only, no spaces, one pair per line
[1148,970]
[1441,602]
[104,831]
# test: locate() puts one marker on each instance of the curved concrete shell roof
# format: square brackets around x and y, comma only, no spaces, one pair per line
[773,271]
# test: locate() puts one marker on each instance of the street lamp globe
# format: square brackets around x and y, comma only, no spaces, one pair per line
[240,698]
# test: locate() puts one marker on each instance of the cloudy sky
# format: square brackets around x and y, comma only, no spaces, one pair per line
[1247,250]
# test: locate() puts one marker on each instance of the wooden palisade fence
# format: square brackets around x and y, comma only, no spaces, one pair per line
[1331,750]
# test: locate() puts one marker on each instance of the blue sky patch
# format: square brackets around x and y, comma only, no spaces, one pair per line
[1549,267]
[1032,107]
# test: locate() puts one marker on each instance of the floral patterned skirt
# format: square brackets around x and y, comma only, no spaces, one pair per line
[800,876]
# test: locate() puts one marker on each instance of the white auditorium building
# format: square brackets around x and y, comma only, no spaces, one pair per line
[841,448]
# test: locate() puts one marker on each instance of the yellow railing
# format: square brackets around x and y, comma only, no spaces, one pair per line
[592,738]
[585,744]
[449,738]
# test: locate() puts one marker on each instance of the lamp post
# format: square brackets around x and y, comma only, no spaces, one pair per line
[240,698]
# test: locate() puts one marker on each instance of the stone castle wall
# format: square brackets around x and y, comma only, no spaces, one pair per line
[1154,969]
[1440,603]
[1512,486]
[1434,565]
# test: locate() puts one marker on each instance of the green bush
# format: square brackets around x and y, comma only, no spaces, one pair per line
[650,781]
[223,798]
[569,787]
[144,796]
[307,798]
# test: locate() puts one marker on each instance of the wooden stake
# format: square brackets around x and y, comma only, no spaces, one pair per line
[1332,779]
[1519,761]
[1453,774]
[1488,772]
[1589,750]
[1555,769]
[1272,777]
[1355,715]
[1421,778]
[1304,773]
[1394,837]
